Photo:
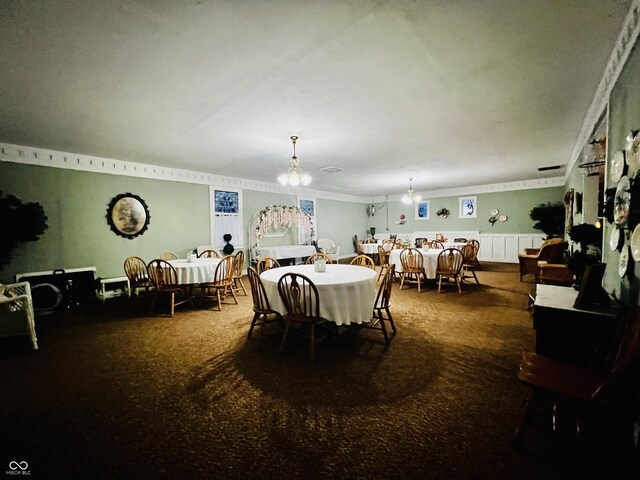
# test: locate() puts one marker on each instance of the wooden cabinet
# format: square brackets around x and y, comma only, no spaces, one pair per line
[564,333]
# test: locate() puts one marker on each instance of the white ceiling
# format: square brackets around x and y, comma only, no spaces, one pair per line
[452,93]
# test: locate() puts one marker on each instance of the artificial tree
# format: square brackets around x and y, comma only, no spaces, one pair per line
[549,218]
[24,222]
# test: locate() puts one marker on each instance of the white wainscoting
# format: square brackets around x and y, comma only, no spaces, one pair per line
[505,247]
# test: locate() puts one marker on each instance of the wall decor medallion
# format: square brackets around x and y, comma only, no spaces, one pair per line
[128,215]
[443,213]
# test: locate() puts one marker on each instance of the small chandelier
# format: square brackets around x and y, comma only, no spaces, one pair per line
[411,195]
[294,175]
[594,158]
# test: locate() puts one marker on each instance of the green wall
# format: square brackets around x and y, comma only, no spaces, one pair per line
[78,235]
[624,116]
[515,204]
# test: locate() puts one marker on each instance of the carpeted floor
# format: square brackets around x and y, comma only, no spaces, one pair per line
[113,393]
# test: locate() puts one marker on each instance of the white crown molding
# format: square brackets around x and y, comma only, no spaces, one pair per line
[624,44]
[490,188]
[73,161]
[87,163]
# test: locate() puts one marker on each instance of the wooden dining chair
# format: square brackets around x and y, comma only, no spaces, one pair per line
[364,261]
[584,394]
[412,267]
[469,254]
[168,256]
[263,314]
[311,259]
[436,244]
[165,283]
[476,245]
[450,267]
[135,268]
[238,265]
[383,260]
[222,283]
[382,307]
[302,304]
[266,263]
[209,254]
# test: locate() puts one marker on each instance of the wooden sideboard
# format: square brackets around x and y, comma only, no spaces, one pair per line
[570,335]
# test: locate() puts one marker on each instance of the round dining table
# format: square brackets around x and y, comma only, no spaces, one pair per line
[199,270]
[346,292]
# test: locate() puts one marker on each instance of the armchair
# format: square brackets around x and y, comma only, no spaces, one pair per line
[551,251]
[328,246]
[16,311]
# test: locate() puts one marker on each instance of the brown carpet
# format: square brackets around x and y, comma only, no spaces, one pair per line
[113,393]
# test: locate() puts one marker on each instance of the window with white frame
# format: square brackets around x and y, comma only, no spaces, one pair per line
[226,216]
[308,206]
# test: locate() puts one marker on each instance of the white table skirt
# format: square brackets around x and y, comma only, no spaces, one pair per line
[347,292]
[457,245]
[200,270]
[430,262]
[370,248]
[287,251]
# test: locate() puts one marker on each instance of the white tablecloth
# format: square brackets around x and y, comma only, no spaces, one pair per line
[370,248]
[457,245]
[430,257]
[199,270]
[287,251]
[347,292]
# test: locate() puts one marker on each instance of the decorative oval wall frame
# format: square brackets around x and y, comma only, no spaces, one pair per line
[128,215]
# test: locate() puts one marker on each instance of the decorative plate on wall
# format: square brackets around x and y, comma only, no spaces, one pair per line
[624,261]
[622,201]
[633,153]
[614,239]
[494,212]
[635,243]
[617,166]
[128,215]
[503,218]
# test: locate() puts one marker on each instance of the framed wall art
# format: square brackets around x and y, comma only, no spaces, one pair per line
[128,215]
[423,211]
[468,207]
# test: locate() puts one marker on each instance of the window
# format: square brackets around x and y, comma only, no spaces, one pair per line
[226,212]
[308,206]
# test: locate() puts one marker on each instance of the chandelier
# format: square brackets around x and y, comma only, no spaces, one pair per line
[294,175]
[594,158]
[411,195]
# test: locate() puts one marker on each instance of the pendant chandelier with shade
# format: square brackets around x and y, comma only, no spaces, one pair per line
[294,175]
[411,196]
